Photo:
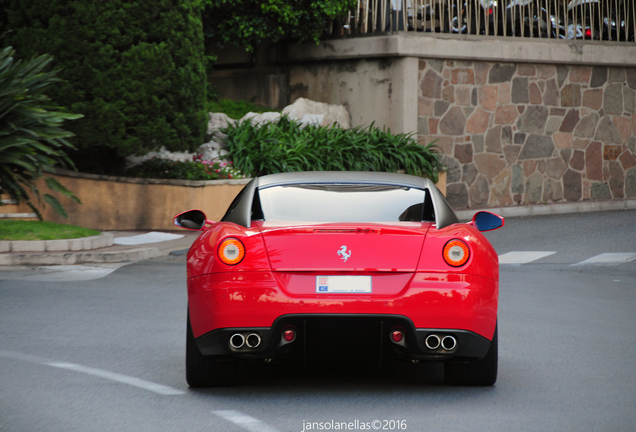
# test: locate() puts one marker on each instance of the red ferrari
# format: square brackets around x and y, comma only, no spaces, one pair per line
[322,265]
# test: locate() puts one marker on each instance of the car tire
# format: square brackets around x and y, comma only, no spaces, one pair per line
[206,371]
[477,372]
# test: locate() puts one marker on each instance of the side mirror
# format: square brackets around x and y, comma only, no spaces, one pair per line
[191,219]
[486,221]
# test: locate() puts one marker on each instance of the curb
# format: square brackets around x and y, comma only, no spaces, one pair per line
[70,258]
[76,244]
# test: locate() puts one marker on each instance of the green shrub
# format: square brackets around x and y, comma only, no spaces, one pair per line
[285,146]
[32,140]
[134,68]
[184,170]
[235,109]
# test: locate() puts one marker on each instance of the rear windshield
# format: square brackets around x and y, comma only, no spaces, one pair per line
[343,203]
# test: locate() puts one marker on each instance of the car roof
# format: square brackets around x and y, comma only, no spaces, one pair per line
[241,208]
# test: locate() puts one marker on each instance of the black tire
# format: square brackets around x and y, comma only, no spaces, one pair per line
[478,372]
[206,371]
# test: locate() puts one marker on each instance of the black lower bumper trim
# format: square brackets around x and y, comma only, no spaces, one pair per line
[348,336]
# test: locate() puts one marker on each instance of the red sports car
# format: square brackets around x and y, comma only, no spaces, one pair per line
[341,264]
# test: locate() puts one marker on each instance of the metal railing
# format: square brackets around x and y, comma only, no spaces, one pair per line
[607,20]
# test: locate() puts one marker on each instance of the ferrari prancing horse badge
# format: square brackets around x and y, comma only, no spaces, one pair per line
[344,253]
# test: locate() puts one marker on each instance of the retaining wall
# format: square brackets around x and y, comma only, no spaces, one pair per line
[121,203]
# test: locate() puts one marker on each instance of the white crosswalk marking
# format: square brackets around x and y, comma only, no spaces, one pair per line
[525,257]
[516,257]
[244,421]
[609,258]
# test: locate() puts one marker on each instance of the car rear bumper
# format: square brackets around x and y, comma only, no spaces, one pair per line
[464,306]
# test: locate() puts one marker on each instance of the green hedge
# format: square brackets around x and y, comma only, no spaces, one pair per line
[134,69]
[285,146]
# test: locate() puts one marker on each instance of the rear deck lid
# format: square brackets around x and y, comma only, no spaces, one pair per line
[344,247]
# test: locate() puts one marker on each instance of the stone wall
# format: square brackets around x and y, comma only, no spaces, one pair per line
[519,133]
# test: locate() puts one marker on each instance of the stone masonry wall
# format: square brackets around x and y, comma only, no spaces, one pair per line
[528,134]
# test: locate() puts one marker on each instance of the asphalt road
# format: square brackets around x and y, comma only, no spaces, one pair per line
[107,354]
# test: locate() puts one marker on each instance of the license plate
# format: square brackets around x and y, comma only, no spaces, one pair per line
[343,284]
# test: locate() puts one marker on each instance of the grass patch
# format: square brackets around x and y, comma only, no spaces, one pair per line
[235,109]
[36,230]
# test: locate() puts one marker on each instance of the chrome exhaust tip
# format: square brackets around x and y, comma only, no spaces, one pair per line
[253,340]
[432,342]
[237,341]
[449,343]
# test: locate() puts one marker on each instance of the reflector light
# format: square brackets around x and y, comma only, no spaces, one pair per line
[397,336]
[456,253]
[231,251]
[289,335]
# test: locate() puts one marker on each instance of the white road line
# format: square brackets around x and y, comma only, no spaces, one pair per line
[609,258]
[124,379]
[25,357]
[517,257]
[60,273]
[243,420]
[120,378]
[151,237]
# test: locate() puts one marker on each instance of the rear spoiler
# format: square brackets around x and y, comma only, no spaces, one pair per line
[444,214]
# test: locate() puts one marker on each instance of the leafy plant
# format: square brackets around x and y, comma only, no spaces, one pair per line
[196,169]
[286,146]
[235,109]
[32,140]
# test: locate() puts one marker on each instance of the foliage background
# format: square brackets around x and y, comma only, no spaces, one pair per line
[249,22]
[134,69]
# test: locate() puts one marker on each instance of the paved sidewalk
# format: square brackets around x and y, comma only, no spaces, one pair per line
[114,253]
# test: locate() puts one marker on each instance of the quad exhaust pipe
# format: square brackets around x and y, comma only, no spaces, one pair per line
[433,342]
[252,340]
[238,340]
[449,343]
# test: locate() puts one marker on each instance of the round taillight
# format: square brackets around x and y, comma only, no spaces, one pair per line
[289,335]
[456,253]
[231,251]
[397,336]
